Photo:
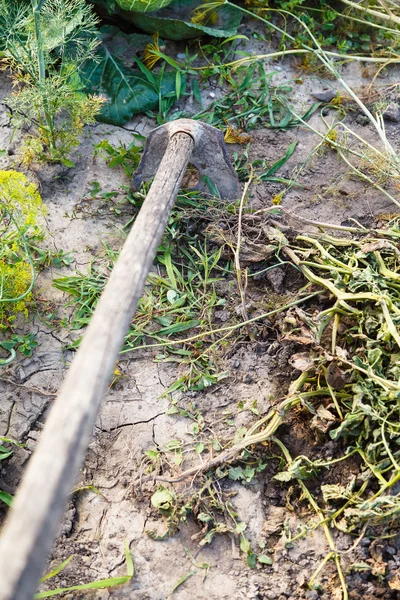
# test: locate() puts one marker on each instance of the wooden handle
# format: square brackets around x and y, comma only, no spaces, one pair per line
[38,506]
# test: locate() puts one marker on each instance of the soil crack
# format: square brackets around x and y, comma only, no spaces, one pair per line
[129,424]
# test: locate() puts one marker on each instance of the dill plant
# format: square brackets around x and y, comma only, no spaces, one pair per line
[20,210]
[46,45]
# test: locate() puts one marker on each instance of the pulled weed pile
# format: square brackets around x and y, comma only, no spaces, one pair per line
[349,384]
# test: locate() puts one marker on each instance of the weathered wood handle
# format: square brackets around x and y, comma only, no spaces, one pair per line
[38,506]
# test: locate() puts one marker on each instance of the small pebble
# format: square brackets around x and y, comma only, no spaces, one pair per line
[247,378]
[365,542]
[211,95]
[324,95]
[392,113]
[312,595]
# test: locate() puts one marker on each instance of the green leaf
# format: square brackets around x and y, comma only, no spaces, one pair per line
[245,545]
[182,580]
[235,473]
[199,447]
[130,569]
[127,91]
[251,560]
[58,569]
[143,5]
[178,327]
[279,163]
[196,91]
[170,269]
[240,527]
[178,84]
[4,453]
[174,22]
[6,498]
[264,560]
[94,585]
[162,499]
[67,163]
[8,344]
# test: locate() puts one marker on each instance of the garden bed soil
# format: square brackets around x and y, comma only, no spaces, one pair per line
[134,417]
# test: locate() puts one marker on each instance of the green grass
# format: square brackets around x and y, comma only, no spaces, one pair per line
[179,298]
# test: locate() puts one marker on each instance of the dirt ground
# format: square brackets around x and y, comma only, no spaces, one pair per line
[134,418]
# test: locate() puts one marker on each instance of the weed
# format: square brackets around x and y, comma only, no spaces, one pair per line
[253,102]
[5,453]
[93,585]
[20,208]
[345,29]
[181,297]
[348,385]
[46,46]
[125,156]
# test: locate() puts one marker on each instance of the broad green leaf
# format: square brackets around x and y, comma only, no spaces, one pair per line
[235,473]
[199,447]
[127,92]
[162,499]
[174,22]
[143,5]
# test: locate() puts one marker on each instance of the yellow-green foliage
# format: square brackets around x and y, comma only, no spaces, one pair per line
[20,207]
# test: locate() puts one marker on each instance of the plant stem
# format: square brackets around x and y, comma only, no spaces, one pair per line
[333,554]
[375,13]
[36,7]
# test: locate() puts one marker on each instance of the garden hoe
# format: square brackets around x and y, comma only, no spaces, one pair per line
[37,509]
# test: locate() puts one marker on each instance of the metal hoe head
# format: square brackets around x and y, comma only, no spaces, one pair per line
[209,156]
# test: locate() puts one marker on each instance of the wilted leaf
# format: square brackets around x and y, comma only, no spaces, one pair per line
[301,361]
[323,419]
[395,583]
[337,491]
[335,376]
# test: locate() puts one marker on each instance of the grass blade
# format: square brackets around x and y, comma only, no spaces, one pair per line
[279,163]
[58,569]
[6,498]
